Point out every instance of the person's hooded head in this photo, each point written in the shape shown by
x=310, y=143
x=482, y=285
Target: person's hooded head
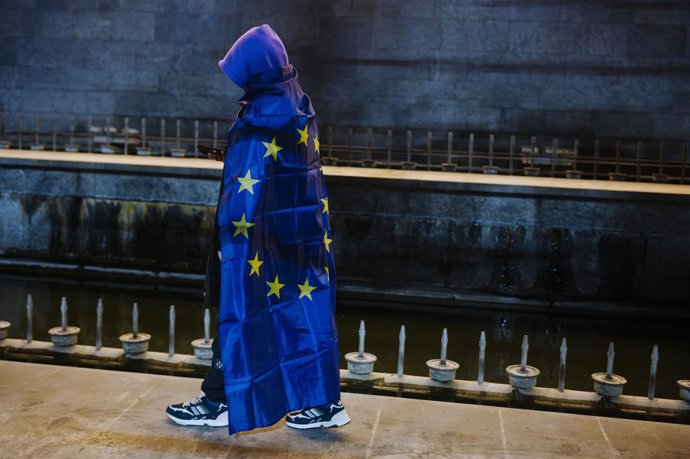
x=258, y=63
x=258, y=51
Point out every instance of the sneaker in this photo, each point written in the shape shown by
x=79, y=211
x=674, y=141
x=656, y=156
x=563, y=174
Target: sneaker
x=199, y=411
x=329, y=415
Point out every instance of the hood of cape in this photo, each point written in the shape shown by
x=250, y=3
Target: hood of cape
x=258, y=63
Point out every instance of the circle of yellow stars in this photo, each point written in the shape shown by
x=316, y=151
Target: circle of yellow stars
x=242, y=226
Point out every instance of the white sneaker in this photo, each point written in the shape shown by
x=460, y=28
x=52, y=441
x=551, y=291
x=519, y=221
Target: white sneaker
x=329, y=415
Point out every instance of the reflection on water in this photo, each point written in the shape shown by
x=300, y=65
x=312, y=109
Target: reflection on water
x=587, y=338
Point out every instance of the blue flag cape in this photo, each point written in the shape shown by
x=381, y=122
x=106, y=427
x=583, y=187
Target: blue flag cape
x=277, y=332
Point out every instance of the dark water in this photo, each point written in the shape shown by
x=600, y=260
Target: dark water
x=587, y=338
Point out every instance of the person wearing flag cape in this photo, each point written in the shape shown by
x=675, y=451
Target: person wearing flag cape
x=271, y=270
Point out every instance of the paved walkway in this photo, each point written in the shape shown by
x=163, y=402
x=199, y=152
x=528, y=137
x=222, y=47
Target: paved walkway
x=67, y=412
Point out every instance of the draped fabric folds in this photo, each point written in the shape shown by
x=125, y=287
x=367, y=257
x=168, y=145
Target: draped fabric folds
x=278, y=339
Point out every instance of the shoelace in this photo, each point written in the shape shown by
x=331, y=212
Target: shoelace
x=194, y=401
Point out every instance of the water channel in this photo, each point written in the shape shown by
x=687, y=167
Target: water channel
x=587, y=338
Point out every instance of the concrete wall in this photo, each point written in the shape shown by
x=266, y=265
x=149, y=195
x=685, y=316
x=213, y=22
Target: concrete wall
x=447, y=238
x=567, y=67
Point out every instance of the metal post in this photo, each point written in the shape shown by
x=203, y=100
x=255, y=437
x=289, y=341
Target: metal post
x=619, y=146
x=143, y=132
x=597, y=145
x=71, y=130
x=450, y=147
x=207, y=326
x=523, y=356
x=610, y=355
x=640, y=148
x=429, y=141
x=661, y=158
x=330, y=141
x=512, y=153
x=171, y=335
x=362, y=333
x=20, y=123
x=369, y=135
x=685, y=161
x=389, y=146
x=99, y=324
x=196, y=137
x=126, y=129
x=54, y=132
x=88, y=135
x=482, y=355
x=491, y=150
x=38, y=129
x=652, y=372
x=107, y=131
x=401, y=351
x=63, y=313
x=215, y=134
x=163, y=137
x=532, y=151
x=470, y=152
x=444, y=346
x=561, y=368
x=29, y=319
x=135, y=320
x=349, y=146
x=554, y=150
x=576, y=152
x=178, y=127
x=409, y=146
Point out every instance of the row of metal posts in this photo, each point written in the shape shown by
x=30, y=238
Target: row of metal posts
x=443, y=369
x=133, y=343
x=143, y=149
x=521, y=376
x=529, y=169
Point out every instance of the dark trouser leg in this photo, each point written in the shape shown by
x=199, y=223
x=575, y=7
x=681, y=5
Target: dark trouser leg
x=214, y=383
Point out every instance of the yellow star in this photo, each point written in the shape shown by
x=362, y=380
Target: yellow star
x=255, y=263
x=316, y=143
x=325, y=205
x=272, y=149
x=242, y=226
x=247, y=183
x=303, y=136
x=326, y=241
x=305, y=289
x=275, y=287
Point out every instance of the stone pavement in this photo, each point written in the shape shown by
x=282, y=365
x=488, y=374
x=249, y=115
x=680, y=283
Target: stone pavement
x=67, y=412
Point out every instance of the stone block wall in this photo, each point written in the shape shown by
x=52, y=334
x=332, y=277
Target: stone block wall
x=450, y=240
x=564, y=67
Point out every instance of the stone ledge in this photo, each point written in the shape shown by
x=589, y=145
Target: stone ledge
x=206, y=169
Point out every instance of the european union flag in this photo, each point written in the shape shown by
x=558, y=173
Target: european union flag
x=278, y=338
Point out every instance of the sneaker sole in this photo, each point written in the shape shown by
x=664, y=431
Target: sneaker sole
x=220, y=421
x=338, y=420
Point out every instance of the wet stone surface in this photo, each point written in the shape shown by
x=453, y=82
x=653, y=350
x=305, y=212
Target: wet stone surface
x=103, y=413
